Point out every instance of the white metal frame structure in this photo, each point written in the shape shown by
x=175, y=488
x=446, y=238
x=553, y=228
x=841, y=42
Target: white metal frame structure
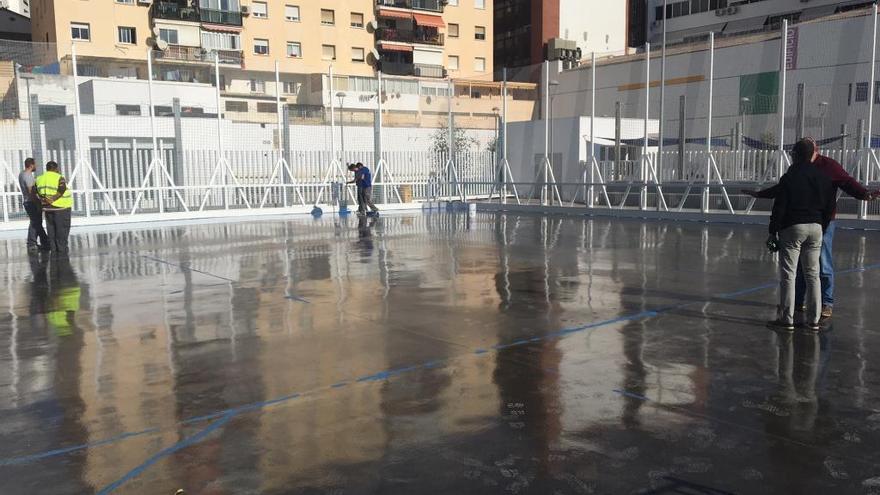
x=334, y=170
x=157, y=161
x=503, y=169
x=450, y=166
x=222, y=165
x=545, y=176
x=82, y=149
x=281, y=164
x=382, y=168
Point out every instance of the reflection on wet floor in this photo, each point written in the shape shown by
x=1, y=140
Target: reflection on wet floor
x=432, y=354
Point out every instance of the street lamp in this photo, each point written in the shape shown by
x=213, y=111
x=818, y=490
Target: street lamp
x=341, y=96
x=823, y=111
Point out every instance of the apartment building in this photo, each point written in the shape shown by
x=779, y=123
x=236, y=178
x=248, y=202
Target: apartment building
x=526, y=31
x=690, y=20
x=423, y=39
x=21, y=7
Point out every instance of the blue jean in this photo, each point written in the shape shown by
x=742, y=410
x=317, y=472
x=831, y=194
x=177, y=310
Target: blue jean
x=826, y=272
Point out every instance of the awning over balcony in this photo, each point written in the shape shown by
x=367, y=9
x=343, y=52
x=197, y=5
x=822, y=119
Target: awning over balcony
x=425, y=20
x=221, y=28
x=394, y=14
x=395, y=48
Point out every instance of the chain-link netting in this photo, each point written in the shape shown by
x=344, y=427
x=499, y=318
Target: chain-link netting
x=36, y=115
x=683, y=127
x=688, y=126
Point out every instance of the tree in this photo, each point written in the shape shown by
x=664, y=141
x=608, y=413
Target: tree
x=461, y=141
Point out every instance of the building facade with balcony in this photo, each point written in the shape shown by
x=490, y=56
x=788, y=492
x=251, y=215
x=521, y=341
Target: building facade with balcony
x=428, y=39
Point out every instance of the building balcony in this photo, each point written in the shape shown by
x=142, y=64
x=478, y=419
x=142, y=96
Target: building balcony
x=408, y=36
x=175, y=12
x=418, y=70
x=431, y=5
x=194, y=54
x=228, y=17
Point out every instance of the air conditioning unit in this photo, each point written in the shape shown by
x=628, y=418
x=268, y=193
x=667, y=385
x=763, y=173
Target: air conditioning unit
x=245, y=10
x=144, y=2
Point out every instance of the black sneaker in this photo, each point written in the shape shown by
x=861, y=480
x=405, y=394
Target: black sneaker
x=780, y=325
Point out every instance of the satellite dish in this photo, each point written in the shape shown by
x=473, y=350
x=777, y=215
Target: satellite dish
x=155, y=30
x=161, y=44
x=151, y=41
x=373, y=25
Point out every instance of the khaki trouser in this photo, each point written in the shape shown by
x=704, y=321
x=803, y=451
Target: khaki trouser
x=800, y=244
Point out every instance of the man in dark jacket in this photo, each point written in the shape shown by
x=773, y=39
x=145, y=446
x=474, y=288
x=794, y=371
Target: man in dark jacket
x=843, y=181
x=804, y=206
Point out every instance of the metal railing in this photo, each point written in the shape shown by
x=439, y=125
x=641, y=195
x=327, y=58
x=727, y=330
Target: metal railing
x=212, y=16
x=410, y=36
x=426, y=70
x=175, y=11
x=180, y=53
x=432, y=5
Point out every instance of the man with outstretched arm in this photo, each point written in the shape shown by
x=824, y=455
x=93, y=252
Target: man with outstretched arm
x=840, y=179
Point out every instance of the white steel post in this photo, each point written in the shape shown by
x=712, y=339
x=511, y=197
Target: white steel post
x=643, y=173
x=704, y=204
x=450, y=134
x=504, y=162
x=546, y=106
x=662, y=94
x=863, y=206
x=220, y=154
x=156, y=150
x=873, y=77
x=77, y=137
x=281, y=156
x=590, y=192
x=782, y=78
x=332, y=115
x=379, y=151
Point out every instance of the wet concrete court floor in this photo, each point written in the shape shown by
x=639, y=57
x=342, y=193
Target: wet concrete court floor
x=433, y=354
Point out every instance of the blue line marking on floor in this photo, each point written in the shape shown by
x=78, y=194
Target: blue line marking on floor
x=630, y=394
x=339, y=385
x=384, y=375
x=186, y=442
x=297, y=298
x=74, y=448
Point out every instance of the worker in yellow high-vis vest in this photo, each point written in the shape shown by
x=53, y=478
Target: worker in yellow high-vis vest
x=57, y=202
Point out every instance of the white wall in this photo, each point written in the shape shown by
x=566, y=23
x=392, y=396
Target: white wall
x=18, y=6
x=107, y=93
x=760, y=9
x=596, y=25
x=51, y=89
x=570, y=136
x=187, y=34
x=831, y=55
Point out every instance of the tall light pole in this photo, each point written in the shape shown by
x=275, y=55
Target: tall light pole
x=497, y=112
x=341, y=96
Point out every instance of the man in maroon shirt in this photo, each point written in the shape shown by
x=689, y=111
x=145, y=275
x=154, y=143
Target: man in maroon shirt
x=841, y=180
